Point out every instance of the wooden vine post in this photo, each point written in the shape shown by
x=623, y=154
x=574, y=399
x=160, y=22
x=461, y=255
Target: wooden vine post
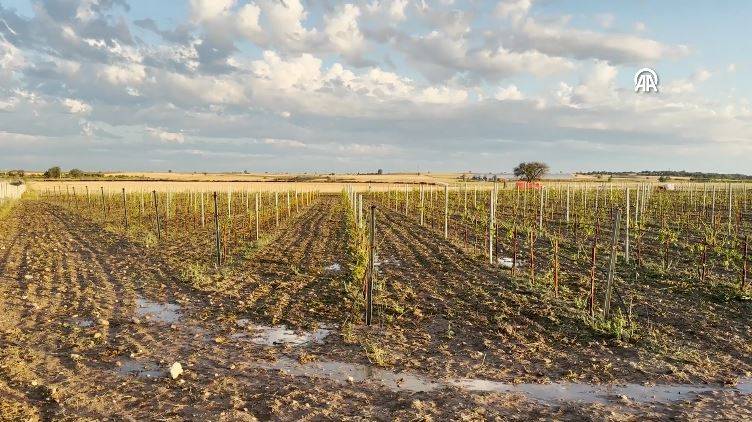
x=104, y=204
x=370, y=275
x=446, y=211
x=514, y=250
x=745, y=263
x=125, y=211
x=611, y=266
x=626, y=231
x=257, y=216
x=203, y=211
x=491, y=220
x=591, y=298
x=556, y=268
x=217, y=241
x=156, y=215
x=532, y=256
x=276, y=208
x=421, y=204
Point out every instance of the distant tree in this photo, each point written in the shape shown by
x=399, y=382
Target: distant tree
x=17, y=173
x=169, y=171
x=531, y=171
x=664, y=179
x=380, y=171
x=75, y=173
x=53, y=173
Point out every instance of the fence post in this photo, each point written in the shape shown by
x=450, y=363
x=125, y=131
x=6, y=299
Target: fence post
x=370, y=271
x=217, y=243
x=745, y=263
x=125, y=211
x=276, y=207
x=257, y=216
x=611, y=265
x=421, y=204
x=626, y=231
x=540, y=216
x=446, y=211
x=104, y=205
x=156, y=215
x=491, y=220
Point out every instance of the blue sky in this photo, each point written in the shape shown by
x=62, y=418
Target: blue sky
x=264, y=85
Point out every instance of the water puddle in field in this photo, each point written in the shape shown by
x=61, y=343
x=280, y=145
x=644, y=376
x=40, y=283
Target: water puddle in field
x=334, y=267
x=589, y=393
x=129, y=366
x=553, y=393
x=507, y=262
x=348, y=372
x=276, y=335
x=82, y=322
x=160, y=312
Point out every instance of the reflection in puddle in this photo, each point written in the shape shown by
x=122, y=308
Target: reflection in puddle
x=553, y=393
x=587, y=393
x=161, y=312
x=279, y=334
x=344, y=372
x=128, y=366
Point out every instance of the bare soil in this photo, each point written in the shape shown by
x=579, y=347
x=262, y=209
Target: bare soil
x=76, y=343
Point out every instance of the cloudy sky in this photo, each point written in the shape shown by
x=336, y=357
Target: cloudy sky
x=403, y=85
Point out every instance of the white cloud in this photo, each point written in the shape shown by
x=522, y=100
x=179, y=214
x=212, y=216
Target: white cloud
x=121, y=75
x=165, y=136
x=510, y=92
x=514, y=9
x=343, y=31
x=203, y=10
x=558, y=40
x=289, y=143
x=76, y=106
x=11, y=58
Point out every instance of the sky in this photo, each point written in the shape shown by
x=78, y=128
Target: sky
x=398, y=85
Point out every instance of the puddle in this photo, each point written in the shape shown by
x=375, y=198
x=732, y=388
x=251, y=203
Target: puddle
x=334, y=267
x=350, y=372
x=506, y=262
x=161, y=312
x=129, y=366
x=279, y=334
x=588, y=393
x=82, y=322
x=553, y=393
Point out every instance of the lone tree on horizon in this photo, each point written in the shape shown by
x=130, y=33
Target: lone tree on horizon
x=531, y=171
x=53, y=173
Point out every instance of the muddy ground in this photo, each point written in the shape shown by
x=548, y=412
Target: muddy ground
x=91, y=322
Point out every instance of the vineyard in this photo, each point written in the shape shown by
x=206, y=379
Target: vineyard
x=411, y=301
